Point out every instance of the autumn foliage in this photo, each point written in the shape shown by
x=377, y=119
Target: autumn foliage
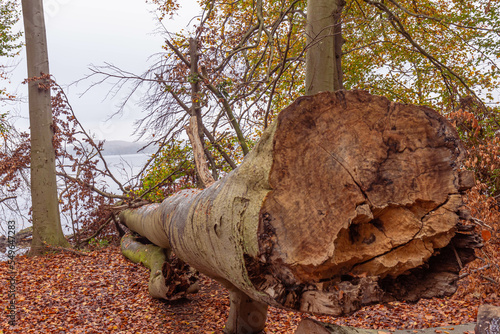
x=479, y=131
x=103, y=292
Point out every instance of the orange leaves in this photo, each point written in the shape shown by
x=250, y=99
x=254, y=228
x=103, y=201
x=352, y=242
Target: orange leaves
x=478, y=131
x=486, y=235
x=483, y=275
x=106, y=293
x=461, y=117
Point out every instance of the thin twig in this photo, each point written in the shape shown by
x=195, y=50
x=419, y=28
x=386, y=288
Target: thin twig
x=64, y=249
x=473, y=271
x=91, y=187
x=457, y=257
x=96, y=233
x=7, y=198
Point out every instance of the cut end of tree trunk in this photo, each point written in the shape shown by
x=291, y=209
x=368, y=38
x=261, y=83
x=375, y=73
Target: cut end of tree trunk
x=363, y=191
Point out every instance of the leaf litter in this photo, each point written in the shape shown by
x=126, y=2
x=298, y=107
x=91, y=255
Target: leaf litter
x=106, y=293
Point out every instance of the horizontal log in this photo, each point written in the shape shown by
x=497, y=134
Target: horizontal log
x=348, y=199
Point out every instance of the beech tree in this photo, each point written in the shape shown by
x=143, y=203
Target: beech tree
x=45, y=204
x=348, y=199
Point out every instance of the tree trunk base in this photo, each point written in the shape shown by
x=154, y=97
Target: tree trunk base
x=246, y=316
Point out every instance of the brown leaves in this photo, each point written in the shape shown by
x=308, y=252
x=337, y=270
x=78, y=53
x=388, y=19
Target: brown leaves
x=180, y=277
x=106, y=293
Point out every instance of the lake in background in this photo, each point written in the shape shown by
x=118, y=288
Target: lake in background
x=123, y=168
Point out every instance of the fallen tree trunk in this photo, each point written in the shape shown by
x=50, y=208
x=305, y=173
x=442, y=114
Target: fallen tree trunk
x=348, y=199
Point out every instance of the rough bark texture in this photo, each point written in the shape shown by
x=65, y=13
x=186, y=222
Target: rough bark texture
x=488, y=320
x=45, y=203
x=311, y=326
x=347, y=200
x=206, y=177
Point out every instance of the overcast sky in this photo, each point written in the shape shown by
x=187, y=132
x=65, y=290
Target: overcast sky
x=84, y=32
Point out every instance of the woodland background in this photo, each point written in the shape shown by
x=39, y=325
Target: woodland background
x=440, y=53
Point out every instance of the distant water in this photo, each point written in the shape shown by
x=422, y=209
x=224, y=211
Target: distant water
x=123, y=168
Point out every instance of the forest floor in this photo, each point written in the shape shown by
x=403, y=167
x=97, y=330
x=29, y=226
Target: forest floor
x=103, y=292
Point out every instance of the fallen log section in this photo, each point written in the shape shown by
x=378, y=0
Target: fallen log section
x=347, y=200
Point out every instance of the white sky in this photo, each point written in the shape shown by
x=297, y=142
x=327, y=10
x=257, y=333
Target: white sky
x=84, y=32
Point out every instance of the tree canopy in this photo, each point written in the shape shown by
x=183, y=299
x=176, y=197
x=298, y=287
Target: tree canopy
x=9, y=15
x=9, y=47
x=440, y=53
x=251, y=64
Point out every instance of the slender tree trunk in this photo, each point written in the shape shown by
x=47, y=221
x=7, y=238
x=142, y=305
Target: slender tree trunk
x=324, y=46
x=45, y=204
x=195, y=127
x=195, y=85
x=206, y=178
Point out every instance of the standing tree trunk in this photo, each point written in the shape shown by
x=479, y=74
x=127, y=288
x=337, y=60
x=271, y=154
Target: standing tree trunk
x=324, y=46
x=45, y=204
x=195, y=128
x=347, y=200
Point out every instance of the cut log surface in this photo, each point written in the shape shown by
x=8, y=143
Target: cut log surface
x=348, y=199
x=351, y=185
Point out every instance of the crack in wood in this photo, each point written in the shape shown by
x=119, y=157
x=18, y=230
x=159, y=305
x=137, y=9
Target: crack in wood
x=348, y=172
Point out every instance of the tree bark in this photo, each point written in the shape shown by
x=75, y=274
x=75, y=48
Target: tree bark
x=206, y=177
x=245, y=314
x=347, y=200
x=45, y=204
x=195, y=128
x=167, y=280
x=324, y=46
x=311, y=326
